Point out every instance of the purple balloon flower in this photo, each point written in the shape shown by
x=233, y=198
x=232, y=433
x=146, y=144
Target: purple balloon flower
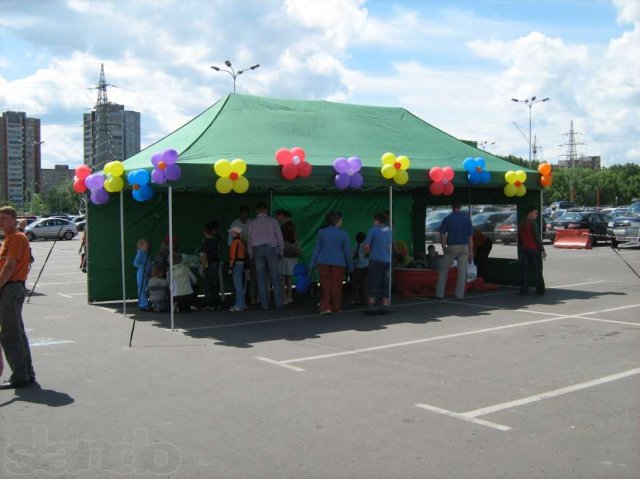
x=348, y=175
x=95, y=181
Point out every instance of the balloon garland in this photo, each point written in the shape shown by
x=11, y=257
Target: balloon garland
x=515, y=183
x=141, y=190
x=546, y=175
x=395, y=168
x=347, y=173
x=231, y=176
x=293, y=163
x=82, y=172
x=476, y=167
x=95, y=184
x=441, y=180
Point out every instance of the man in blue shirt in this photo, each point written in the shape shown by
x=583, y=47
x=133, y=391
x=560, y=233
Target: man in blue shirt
x=377, y=246
x=456, y=238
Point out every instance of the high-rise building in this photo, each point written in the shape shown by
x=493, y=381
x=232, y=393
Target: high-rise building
x=19, y=157
x=116, y=139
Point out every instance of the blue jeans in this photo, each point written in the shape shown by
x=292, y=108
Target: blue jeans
x=143, y=280
x=238, y=284
x=266, y=260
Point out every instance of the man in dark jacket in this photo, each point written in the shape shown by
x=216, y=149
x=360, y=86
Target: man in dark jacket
x=531, y=252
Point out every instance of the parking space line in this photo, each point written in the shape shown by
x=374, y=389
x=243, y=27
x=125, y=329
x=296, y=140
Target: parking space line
x=280, y=364
x=49, y=341
x=550, y=394
x=440, y=337
x=461, y=416
x=471, y=416
x=607, y=321
x=57, y=283
x=71, y=295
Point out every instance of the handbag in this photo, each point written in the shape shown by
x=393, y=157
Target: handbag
x=292, y=250
x=472, y=272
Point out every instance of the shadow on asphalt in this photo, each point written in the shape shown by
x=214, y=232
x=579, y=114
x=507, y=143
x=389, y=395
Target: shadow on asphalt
x=36, y=394
x=300, y=321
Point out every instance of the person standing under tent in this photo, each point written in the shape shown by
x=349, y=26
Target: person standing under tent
x=242, y=221
x=143, y=264
x=359, y=289
x=482, y=246
x=265, y=246
x=456, y=239
x=332, y=255
x=237, y=256
x=290, y=253
x=531, y=252
x=14, y=268
x=210, y=263
x=377, y=246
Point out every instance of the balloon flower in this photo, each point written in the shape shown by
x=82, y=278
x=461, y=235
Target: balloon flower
x=293, y=164
x=348, y=173
x=546, y=175
x=476, y=167
x=231, y=176
x=82, y=172
x=140, y=188
x=165, y=167
x=395, y=167
x=95, y=183
x=515, y=183
x=114, y=182
x=441, y=181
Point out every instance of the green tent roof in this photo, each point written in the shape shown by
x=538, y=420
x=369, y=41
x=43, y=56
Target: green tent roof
x=253, y=128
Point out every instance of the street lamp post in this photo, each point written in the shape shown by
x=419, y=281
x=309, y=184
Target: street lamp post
x=530, y=102
x=232, y=72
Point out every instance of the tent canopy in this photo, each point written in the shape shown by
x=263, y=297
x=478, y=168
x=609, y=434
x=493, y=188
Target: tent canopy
x=254, y=128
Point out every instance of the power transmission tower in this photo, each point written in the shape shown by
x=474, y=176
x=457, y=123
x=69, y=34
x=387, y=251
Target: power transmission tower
x=572, y=157
x=101, y=141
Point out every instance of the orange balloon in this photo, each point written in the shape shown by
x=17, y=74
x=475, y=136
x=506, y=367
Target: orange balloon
x=546, y=181
x=545, y=169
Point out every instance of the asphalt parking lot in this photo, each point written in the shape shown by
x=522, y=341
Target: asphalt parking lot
x=496, y=385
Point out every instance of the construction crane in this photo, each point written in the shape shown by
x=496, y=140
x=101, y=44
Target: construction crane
x=535, y=147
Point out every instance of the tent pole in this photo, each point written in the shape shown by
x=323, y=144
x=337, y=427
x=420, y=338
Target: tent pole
x=170, y=200
x=390, y=243
x=124, y=286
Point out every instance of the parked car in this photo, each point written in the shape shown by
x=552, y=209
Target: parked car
x=432, y=225
x=81, y=225
x=625, y=228
x=562, y=204
x=507, y=231
x=486, y=223
x=593, y=221
x=51, y=228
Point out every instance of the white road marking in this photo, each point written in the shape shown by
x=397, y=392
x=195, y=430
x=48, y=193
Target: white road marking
x=444, y=337
x=71, y=295
x=550, y=394
x=58, y=274
x=56, y=283
x=460, y=416
x=471, y=416
x=280, y=364
x=607, y=321
x=49, y=341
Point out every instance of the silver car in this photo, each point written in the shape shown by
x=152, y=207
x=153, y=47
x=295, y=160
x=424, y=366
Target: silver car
x=51, y=228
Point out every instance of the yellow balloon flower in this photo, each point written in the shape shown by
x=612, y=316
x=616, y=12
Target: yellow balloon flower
x=395, y=168
x=515, y=183
x=231, y=176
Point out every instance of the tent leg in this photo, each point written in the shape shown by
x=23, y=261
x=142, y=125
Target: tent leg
x=124, y=287
x=170, y=200
x=390, y=243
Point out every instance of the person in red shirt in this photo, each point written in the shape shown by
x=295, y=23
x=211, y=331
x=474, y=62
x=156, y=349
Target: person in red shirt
x=14, y=268
x=531, y=252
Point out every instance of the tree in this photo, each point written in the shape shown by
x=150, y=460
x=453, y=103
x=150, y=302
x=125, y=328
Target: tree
x=62, y=198
x=36, y=205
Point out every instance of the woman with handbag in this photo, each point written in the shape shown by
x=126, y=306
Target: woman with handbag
x=292, y=250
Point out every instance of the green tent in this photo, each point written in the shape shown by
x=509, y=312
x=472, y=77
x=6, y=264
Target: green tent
x=253, y=129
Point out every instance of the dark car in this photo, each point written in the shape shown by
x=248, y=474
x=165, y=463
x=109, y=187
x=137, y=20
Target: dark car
x=507, y=232
x=432, y=225
x=593, y=221
x=486, y=223
x=562, y=204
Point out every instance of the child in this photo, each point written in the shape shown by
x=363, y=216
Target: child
x=210, y=263
x=184, y=297
x=143, y=264
x=359, y=275
x=236, y=267
x=433, y=259
x=158, y=290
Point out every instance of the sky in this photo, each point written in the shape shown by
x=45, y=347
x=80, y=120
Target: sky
x=455, y=64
